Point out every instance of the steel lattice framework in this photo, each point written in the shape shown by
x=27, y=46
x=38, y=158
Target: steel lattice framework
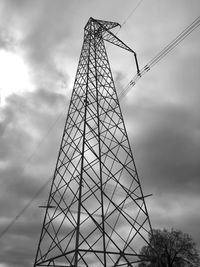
x=96, y=213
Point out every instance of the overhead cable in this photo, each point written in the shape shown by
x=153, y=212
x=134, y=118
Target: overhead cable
x=12, y=222
x=160, y=55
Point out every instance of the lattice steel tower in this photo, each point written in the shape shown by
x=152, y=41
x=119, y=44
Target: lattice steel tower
x=96, y=213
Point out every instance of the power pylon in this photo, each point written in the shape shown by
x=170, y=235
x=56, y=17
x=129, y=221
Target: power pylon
x=96, y=213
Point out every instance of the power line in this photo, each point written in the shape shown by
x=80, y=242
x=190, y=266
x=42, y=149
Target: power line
x=12, y=222
x=131, y=13
x=128, y=17
x=188, y=30
x=175, y=42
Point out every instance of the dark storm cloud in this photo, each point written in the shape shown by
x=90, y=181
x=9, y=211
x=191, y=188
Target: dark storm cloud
x=23, y=172
x=10, y=131
x=16, y=194
x=43, y=40
x=176, y=210
x=17, y=182
x=24, y=117
x=25, y=121
x=171, y=148
x=18, y=244
x=20, y=251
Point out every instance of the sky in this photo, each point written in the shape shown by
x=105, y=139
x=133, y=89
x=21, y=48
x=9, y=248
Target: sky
x=40, y=44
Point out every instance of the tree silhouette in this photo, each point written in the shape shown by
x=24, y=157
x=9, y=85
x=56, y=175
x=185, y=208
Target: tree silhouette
x=169, y=249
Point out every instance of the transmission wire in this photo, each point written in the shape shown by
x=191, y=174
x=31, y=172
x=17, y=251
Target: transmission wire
x=160, y=55
x=128, y=17
x=131, y=13
x=24, y=208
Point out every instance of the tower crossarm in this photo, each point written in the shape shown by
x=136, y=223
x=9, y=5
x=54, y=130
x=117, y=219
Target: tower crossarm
x=113, y=39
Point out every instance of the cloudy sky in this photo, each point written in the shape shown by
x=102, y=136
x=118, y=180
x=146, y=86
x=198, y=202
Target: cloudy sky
x=40, y=44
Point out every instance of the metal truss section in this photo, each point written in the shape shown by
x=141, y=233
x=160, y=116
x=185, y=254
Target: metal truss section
x=96, y=213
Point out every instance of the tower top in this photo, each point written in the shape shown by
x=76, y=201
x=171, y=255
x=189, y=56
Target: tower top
x=105, y=25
